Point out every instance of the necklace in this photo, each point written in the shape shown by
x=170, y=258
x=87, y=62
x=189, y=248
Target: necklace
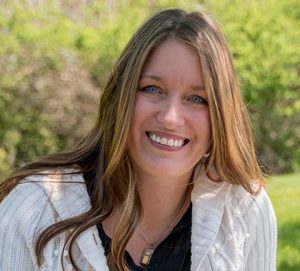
x=148, y=251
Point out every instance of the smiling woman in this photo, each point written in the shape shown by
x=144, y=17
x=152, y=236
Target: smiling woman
x=166, y=180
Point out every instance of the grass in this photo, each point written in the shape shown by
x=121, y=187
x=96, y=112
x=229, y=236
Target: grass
x=284, y=192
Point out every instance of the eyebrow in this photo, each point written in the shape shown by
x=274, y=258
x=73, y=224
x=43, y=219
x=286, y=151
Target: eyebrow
x=154, y=77
x=159, y=79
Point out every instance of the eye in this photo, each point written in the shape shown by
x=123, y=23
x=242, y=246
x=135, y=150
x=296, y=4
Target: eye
x=197, y=100
x=151, y=89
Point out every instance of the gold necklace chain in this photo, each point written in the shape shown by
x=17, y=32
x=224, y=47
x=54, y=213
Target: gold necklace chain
x=148, y=252
x=153, y=242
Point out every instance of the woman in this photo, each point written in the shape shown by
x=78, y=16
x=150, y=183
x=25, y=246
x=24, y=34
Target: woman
x=166, y=180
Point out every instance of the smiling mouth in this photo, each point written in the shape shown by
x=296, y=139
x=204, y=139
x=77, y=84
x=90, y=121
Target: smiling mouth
x=170, y=142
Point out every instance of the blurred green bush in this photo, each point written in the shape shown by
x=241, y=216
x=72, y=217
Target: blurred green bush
x=55, y=56
x=264, y=37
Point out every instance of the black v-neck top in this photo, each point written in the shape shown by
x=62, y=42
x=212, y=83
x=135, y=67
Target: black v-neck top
x=173, y=253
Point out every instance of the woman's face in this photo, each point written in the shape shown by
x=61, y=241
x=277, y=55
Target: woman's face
x=170, y=127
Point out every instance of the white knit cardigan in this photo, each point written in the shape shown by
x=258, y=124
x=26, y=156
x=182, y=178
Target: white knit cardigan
x=231, y=230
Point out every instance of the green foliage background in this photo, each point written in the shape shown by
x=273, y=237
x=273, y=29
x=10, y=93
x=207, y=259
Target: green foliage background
x=55, y=56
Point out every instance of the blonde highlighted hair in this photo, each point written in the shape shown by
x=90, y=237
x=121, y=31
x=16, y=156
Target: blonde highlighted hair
x=102, y=157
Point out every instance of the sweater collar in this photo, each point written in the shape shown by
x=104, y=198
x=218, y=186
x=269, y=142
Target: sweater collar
x=208, y=200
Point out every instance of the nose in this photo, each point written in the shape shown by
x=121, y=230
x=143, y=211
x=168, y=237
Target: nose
x=170, y=115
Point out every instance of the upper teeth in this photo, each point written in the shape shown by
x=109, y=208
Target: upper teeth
x=164, y=141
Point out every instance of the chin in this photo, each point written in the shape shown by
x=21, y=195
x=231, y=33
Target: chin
x=168, y=171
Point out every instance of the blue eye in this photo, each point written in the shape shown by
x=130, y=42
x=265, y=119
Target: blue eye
x=151, y=89
x=197, y=100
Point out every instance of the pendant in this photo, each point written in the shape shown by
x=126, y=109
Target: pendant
x=146, y=257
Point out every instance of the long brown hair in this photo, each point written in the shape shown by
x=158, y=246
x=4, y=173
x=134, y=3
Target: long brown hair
x=102, y=156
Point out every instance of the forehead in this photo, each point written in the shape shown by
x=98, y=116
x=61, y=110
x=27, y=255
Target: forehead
x=176, y=60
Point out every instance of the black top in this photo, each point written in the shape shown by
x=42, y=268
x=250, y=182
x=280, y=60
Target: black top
x=173, y=253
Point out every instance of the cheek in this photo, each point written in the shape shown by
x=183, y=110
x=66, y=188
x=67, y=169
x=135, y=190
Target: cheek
x=142, y=105
x=139, y=117
x=208, y=125
x=143, y=112
x=135, y=115
x=203, y=126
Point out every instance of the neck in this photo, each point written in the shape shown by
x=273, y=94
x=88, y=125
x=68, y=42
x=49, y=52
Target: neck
x=163, y=200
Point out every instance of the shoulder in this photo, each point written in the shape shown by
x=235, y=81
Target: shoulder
x=40, y=200
x=253, y=222
x=235, y=228
x=254, y=228
x=249, y=229
x=250, y=206
x=36, y=203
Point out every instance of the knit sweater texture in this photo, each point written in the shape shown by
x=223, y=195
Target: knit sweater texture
x=231, y=229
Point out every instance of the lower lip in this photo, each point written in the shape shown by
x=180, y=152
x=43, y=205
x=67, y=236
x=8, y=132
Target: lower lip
x=165, y=147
